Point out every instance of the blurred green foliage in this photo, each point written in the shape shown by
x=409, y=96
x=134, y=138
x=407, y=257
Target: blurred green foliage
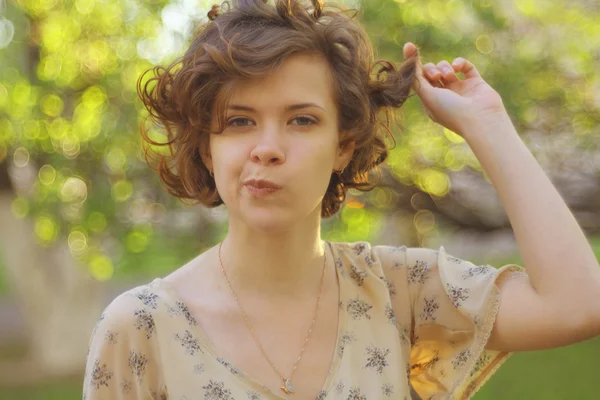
x=68, y=107
x=69, y=112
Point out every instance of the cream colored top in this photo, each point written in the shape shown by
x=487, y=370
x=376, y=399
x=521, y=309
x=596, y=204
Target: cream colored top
x=405, y=314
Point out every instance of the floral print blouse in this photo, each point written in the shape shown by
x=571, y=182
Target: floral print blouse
x=406, y=315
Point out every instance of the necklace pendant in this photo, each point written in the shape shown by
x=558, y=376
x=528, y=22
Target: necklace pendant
x=287, y=387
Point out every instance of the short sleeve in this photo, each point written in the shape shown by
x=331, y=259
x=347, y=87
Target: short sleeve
x=454, y=304
x=122, y=361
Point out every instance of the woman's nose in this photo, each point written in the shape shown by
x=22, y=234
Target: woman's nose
x=268, y=149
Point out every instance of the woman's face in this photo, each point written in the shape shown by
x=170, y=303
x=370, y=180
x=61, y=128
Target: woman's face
x=282, y=128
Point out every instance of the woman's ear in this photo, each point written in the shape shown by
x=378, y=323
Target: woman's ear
x=204, y=153
x=345, y=151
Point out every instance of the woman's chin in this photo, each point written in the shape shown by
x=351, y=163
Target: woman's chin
x=269, y=221
x=269, y=225
x=273, y=220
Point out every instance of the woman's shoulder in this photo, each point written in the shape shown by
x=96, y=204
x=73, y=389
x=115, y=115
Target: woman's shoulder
x=351, y=249
x=361, y=260
x=143, y=311
x=127, y=307
x=364, y=251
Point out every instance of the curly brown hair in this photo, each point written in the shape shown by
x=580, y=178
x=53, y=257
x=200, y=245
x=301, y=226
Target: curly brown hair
x=249, y=39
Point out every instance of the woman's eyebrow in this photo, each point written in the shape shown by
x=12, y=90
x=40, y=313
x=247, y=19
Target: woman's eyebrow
x=287, y=108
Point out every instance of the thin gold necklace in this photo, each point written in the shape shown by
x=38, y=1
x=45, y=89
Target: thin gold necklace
x=287, y=387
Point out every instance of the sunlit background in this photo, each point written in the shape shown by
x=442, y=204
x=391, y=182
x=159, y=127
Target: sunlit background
x=83, y=217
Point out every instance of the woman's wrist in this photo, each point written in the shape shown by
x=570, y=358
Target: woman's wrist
x=489, y=128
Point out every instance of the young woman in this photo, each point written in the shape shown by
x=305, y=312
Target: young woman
x=275, y=111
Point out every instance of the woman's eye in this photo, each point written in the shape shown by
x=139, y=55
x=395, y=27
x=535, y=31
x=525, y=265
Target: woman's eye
x=235, y=120
x=307, y=121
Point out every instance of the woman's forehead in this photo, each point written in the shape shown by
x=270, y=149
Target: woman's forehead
x=304, y=78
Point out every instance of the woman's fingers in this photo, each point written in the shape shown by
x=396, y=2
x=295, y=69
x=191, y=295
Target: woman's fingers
x=447, y=72
x=440, y=74
x=422, y=83
x=432, y=72
x=434, y=75
x=408, y=50
x=466, y=67
x=435, y=72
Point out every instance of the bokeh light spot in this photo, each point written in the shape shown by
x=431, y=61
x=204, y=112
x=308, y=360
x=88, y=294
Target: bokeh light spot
x=354, y=203
x=7, y=32
x=157, y=212
x=122, y=190
x=484, y=44
x=73, y=190
x=77, y=242
x=424, y=221
x=452, y=136
x=85, y=6
x=20, y=207
x=52, y=105
x=96, y=222
x=47, y=175
x=3, y=96
x=434, y=182
x=21, y=157
x=116, y=159
x=101, y=268
x=46, y=228
x=136, y=242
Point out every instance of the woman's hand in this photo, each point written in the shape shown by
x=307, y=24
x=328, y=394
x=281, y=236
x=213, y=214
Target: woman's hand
x=450, y=101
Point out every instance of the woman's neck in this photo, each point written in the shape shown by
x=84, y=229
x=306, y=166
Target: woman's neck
x=287, y=264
